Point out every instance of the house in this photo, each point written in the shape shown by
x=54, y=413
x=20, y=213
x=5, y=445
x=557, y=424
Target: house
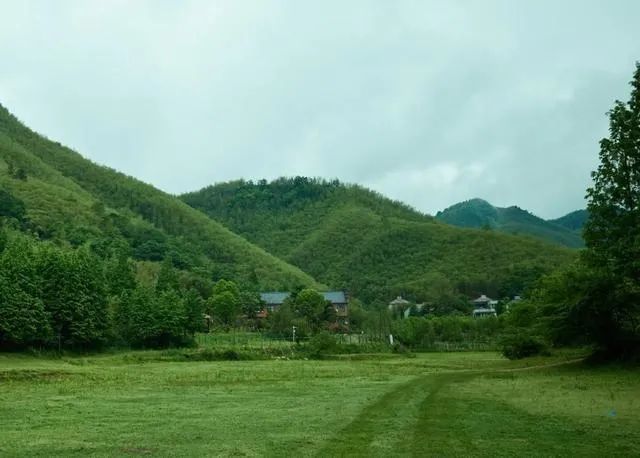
x=484, y=302
x=273, y=300
x=484, y=306
x=398, y=303
x=484, y=312
x=418, y=307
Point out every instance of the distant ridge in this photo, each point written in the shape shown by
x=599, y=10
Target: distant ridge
x=574, y=221
x=478, y=213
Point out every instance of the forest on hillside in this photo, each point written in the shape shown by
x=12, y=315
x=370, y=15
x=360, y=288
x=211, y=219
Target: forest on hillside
x=351, y=238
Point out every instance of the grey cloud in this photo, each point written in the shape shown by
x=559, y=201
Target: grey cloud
x=430, y=102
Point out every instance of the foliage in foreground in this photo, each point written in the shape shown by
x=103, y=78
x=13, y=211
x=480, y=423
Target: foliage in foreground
x=52, y=297
x=596, y=300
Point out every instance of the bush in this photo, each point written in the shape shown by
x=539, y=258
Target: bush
x=521, y=346
x=322, y=344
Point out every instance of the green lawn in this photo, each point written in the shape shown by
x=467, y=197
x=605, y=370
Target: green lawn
x=439, y=404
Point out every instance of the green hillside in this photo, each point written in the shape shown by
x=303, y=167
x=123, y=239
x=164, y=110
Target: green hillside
x=70, y=200
x=350, y=237
x=478, y=213
x=573, y=221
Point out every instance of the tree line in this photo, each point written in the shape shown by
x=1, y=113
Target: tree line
x=54, y=297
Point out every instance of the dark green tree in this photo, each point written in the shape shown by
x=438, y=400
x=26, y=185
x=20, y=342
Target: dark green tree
x=194, y=311
x=250, y=304
x=120, y=275
x=225, y=307
x=609, y=312
x=612, y=232
x=147, y=319
x=10, y=206
x=74, y=294
x=225, y=301
x=167, y=277
x=311, y=306
x=23, y=320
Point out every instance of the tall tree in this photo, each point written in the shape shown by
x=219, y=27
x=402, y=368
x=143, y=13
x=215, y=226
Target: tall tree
x=23, y=320
x=167, y=277
x=224, y=304
x=74, y=294
x=612, y=234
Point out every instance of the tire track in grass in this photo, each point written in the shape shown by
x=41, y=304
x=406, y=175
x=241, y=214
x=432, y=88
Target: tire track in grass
x=397, y=423
x=421, y=439
x=381, y=427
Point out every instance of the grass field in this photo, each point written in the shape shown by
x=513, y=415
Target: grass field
x=437, y=404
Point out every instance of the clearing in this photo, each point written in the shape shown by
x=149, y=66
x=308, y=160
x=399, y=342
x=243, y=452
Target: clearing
x=436, y=404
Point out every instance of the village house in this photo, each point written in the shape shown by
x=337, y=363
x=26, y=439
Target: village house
x=402, y=306
x=339, y=300
x=484, y=306
x=398, y=303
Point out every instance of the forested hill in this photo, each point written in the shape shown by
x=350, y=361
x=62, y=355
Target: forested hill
x=282, y=214
x=573, y=221
x=54, y=193
x=350, y=237
x=478, y=213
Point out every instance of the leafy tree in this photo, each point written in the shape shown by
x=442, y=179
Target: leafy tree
x=251, y=304
x=612, y=231
x=311, y=306
x=74, y=294
x=224, y=307
x=610, y=311
x=194, y=311
x=282, y=320
x=23, y=320
x=224, y=303
x=167, y=277
x=120, y=275
x=147, y=319
x=223, y=285
x=10, y=206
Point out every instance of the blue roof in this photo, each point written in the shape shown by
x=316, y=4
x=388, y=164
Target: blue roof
x=274, y=297
x=335, y=297
x=277, y=297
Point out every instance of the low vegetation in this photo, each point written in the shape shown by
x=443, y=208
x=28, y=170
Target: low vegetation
x=437, y=404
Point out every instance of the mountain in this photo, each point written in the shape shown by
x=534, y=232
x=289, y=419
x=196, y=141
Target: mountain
x=56, y=194
x=573, y=221
x=349, y=237
x=478, y=213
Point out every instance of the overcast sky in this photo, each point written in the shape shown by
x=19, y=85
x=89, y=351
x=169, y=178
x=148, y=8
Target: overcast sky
x=428, y=102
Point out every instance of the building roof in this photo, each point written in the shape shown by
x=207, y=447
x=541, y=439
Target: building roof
x=335, y=297
x=277, y=297
x=399, y=301
x=482, y=299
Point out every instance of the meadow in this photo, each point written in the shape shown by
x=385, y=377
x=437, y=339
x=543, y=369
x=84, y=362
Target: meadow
x=433, y=404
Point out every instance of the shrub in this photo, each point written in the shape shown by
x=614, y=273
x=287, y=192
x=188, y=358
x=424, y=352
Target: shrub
x=522, y=346
x=322, y=344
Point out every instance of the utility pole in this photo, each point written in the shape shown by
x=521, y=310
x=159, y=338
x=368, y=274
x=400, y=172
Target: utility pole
x=293, y=339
